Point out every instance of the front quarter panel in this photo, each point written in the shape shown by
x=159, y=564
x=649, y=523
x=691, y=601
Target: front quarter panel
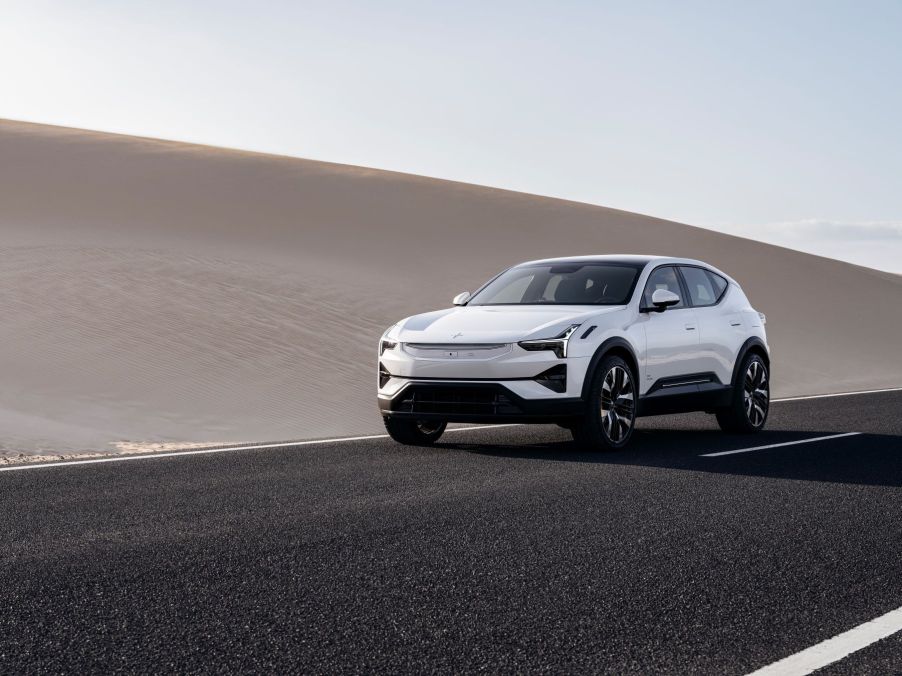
x=621, y=329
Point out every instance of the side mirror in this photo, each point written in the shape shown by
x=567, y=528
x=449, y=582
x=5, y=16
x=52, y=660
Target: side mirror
x=663, y=299
x=461, y=298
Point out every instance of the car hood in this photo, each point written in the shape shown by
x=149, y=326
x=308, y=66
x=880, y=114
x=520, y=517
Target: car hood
x=494, y=324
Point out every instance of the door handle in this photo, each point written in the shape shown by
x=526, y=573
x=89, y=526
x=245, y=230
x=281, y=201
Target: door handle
x=690, y=327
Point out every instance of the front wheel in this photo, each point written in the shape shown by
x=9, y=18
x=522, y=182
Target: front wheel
x=611, y=408
x=748, y=409
x=414, y=432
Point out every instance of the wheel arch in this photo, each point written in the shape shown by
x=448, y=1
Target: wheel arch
x=616, y=346
x=752, y=345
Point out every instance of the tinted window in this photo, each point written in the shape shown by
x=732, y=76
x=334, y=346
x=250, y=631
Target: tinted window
x=565, y=284
x=662, y=278
x=718, y=282
x=701, y=289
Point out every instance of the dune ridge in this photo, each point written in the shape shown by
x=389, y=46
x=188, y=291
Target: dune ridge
x=159, y=292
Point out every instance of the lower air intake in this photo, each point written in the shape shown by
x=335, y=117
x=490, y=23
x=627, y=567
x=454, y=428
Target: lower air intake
x=456, y=401
x=555, y=378
x=384, y=375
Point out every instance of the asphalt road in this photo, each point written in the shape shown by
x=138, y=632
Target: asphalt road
x=501, y=549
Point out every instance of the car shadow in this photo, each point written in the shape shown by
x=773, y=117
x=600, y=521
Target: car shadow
x=868, y=459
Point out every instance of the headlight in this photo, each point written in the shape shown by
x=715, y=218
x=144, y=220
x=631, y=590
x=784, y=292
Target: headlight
x=386, y=343
x=558, y=344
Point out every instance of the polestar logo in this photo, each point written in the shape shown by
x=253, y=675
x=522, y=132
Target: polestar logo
x=456, y=335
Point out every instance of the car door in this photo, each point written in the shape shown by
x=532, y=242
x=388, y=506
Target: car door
x=671, y=336
x=720, y=331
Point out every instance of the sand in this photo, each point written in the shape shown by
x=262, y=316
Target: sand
x=156, y=292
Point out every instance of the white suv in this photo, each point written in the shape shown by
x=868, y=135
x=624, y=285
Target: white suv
x=589, y=343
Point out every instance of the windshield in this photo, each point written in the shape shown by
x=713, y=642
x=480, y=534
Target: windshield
x=561, y=284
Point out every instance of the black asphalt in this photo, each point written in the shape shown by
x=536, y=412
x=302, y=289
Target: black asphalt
x=498, y=550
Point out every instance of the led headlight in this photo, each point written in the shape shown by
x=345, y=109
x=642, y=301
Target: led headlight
x=386, y=343
x=558, y=344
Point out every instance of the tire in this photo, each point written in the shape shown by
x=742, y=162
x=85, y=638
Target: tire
x=414, y=432
x=747, y=412
x=611, y=409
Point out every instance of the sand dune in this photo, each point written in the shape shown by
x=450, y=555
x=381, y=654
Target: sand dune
x=162, y=292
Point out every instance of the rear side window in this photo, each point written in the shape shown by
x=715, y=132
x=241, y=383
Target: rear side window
x=705, y=288
x=719, y=284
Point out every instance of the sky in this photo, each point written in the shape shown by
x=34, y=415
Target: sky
x=778, y=121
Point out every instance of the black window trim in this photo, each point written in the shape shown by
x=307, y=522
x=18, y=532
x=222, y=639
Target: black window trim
x=685, y=284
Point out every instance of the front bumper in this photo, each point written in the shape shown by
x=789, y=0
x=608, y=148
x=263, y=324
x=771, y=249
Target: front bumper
x=511, y=366
x=474, y=402
x=488, y=383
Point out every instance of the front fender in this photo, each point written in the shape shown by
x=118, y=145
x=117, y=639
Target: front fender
x=615, y=342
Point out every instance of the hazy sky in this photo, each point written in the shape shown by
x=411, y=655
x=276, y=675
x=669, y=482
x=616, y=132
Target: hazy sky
x=775, y=120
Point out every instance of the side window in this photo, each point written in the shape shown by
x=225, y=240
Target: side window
x=719, y=284
x=701, y=290
x=662, y=278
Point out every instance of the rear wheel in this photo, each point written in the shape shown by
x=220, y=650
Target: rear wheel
x=414, y=432
x=748, y=410
x=611, y=409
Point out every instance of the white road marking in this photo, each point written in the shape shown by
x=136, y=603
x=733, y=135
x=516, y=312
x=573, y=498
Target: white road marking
x=209, y=451
x=836, y=648
x=785, y=443
x=837, y=394
x=205, y=451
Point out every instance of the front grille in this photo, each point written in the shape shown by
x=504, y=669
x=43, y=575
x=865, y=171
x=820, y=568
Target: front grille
x=456, y=401
x=433, y=351
x=456, y=346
